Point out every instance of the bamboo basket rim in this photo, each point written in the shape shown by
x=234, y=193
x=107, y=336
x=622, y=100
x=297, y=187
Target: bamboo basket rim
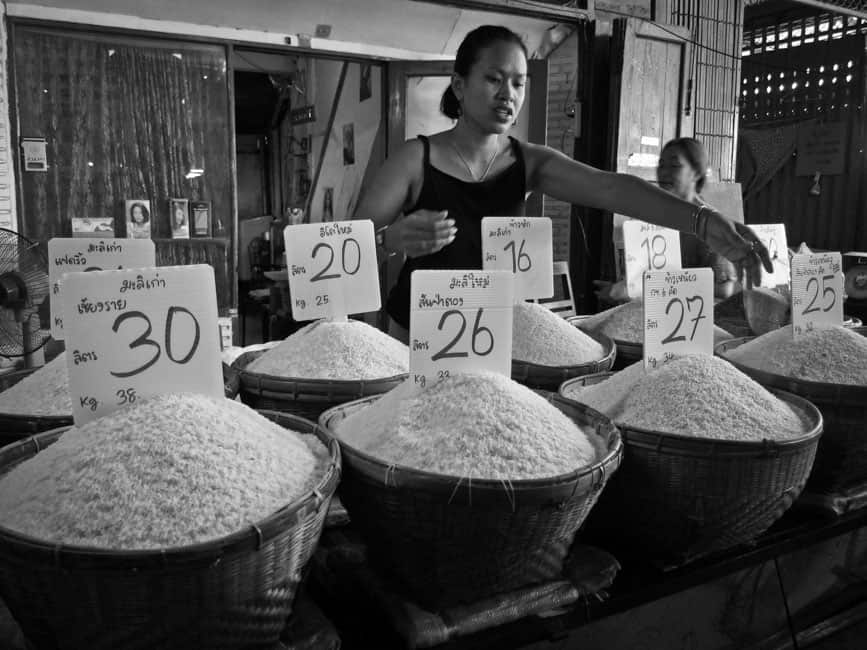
x=692, y=445
x=851, y=394
x=60, y=420
x=448, y=483
x=628, y=348
x=254, y=537
x=610, y=354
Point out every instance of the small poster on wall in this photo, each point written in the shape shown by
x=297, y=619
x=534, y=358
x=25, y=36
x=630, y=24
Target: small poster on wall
x=180, y=218
x=328, y=204
x=348, y=144
x=93, y=227
x=138, y=218
x=364, y=89
x=201, y=217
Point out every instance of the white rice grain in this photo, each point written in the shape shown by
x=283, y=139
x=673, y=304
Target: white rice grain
x=477, y=425
x=540, y=336
x=348, y=350
x=45, y=391
x=626, y=323
x=166, y=472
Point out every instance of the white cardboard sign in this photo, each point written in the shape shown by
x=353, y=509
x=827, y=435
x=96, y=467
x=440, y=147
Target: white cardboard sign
x=136, y=333
x=524, y=246
x=817, y=291
x=648, y=248
x=460, y=321
x=773, y=236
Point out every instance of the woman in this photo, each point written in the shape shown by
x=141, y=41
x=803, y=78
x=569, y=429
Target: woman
x=445, y=184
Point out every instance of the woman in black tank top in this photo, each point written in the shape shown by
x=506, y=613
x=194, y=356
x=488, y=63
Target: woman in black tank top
x=445, y=184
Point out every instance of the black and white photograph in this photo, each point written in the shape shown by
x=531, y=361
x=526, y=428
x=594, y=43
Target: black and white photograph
x=138, y=218
x=179, y=212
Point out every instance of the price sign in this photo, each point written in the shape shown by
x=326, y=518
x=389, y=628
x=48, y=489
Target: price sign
x=70, y=255
x=460, y=321
x=135, y=333
x=332, y=269
x=773, y=236
x=817, y=291
x=648, y=248
x=678, y=314
x=522, y=245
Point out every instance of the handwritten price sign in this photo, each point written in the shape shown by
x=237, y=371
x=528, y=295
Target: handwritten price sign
x=522, y=245
x=332, y=269
x=648, y=248
x=460, y=321
x=817, y=291
x=678, y=314
x=773, y=236
x=136, y=333
x=72, y=255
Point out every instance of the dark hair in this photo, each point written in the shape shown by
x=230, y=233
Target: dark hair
x=695, y=155
x=468, y=54
x=144, y=211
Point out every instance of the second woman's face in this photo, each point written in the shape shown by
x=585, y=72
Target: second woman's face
x=493, y=92
x=676, y=175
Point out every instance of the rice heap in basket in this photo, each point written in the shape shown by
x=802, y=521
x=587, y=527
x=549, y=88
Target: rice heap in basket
x=43, y=392
x=696, y=395
x=834, y=355
x=626, y=323
x=165, y=472
x=478, y=425
x=348, y=350
x=540, y=336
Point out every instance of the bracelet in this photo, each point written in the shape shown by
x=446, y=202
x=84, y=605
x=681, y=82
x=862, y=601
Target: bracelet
x=695, y=222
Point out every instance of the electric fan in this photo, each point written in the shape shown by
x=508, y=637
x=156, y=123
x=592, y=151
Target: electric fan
x=24, y=291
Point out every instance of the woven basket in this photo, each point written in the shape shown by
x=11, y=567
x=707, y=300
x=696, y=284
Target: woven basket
x=14, y=426
x=628, y=352
x=534, y=375
x=306, y=398
x=841, y=461
x=232, y=592
x=446, y=540
x=677, y=498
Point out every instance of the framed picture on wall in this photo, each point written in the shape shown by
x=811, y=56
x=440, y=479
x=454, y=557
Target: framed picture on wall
x=179, y=218
x=348, y=144
x=138, y=218
x=200, y=212
x=93, y=227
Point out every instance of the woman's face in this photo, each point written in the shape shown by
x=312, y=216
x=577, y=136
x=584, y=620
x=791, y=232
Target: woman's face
x=676, y=175
x=492, y=94
x=137, y=214
x=180, y=217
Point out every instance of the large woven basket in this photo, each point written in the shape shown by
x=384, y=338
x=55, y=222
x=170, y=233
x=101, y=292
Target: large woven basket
x=233, y=592
x=306, y=398
x=15, y=426
x=841, y=461
x=534, y=375
x=628, y=352
x=677, y=498
x=447, y=540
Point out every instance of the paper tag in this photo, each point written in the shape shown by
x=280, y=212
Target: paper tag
x=524, y=246
x=70, y=255
x=460, y=321
x=136, y=333
x=648, y=248
x=773, y=236
x=817, y=291
x=678, y=314
x=332, y=269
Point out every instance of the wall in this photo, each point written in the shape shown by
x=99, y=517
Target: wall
x=8, y=209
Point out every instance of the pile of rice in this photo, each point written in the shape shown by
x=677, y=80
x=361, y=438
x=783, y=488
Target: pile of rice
x=833, y=354
x=348, y=350
x=626, y=323
x=43, y=392
x=700, y=396
x=165, y=472
x=540, y=336
x=479, y=425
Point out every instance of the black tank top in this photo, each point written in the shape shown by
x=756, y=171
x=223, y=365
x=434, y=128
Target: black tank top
x=500, y=196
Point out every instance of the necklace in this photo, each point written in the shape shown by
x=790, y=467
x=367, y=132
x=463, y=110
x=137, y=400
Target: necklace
x=470, y=169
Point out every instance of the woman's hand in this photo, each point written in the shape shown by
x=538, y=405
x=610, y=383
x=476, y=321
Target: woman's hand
x=421, y=233
x=737, y=242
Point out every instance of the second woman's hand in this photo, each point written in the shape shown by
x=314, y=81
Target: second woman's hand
x=738, y=243
x=421, y=233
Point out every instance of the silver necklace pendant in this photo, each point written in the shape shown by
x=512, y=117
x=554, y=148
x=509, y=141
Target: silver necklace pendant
x=470, y=169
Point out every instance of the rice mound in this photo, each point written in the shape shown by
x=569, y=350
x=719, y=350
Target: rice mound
x=45, y=391
x=699, y=395
x=478, y=425
x=348, y=350
x=626, y=323
x=169, y=471
x=540, y=336
x=831, y=354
